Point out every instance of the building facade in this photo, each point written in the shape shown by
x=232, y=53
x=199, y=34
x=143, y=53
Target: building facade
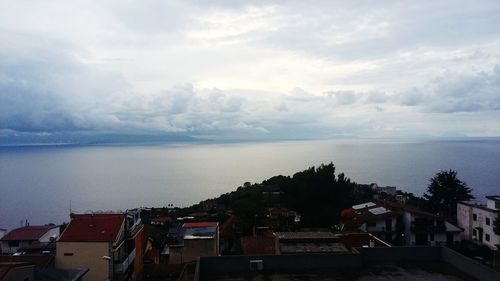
x=477, y=220
x=103, y=243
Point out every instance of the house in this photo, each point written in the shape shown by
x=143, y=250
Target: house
x=161, y=220
x=282, y=219
x=373, y=218
x=105, y=243
x=26, y=236
x=400, y=223
x=477, y=221
x=198, y=239
x=423, y=228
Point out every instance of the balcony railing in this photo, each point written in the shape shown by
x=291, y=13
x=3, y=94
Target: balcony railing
x=122, y=267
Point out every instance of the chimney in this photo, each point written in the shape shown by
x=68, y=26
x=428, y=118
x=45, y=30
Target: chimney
x=91, y=220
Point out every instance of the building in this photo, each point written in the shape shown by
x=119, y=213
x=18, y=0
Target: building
x=427, y=229
x=161, y=221
x=323, y=242
x=2, y=232
x=373, y=218
x=372, y=263
x=104, y=243
x=477, y=221
x=197, y=239
x=401, y=224
x=26, y=236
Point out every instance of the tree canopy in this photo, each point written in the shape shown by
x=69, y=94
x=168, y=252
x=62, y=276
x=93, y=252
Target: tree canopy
x=444, y=191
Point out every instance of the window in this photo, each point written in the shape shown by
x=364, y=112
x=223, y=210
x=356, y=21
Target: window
x=13, y=243
x=474, y=217
x=497, y=204
x=487, y=237
x=487, y=221
x=474, y=232
x=68, y=254
x=371, y=224
x=431, y=236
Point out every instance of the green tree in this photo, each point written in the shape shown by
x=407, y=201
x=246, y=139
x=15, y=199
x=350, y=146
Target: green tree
x=445, y=190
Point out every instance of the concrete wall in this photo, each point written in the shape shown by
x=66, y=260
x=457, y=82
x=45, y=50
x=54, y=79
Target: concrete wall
x=23, y=273
x=194, y=248
x=469, y=266
x=283, y=263
x=400, y=254
x=491, y=204
x=87, y=255
x=464, y=220
x=331, y=262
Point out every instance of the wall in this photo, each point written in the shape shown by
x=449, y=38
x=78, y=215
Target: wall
x=288, y=263
x=194, y=248
x=469, y=266
x=85, y=254
x=25, y=273
x=46, y=237
x=464, y=220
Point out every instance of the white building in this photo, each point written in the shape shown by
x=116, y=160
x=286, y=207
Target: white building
x=426, y=229
x=394, y=222
x=477, y=221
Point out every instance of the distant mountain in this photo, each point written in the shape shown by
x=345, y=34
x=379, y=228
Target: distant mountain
x=25, y=139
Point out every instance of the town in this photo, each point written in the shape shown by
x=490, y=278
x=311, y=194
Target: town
x=314, y=224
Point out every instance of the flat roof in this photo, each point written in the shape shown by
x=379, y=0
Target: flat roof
x=305, y=235
x=200, y=232
x=430, y=271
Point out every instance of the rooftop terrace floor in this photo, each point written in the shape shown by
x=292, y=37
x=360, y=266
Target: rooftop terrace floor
x=436, y=271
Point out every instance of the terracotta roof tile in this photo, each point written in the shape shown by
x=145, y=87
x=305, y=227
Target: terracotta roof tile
x=28, y=233
x=93, y=228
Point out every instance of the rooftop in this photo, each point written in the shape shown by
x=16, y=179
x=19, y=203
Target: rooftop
x=200, y=230
x=93, y=228
x=494, y=197
x=390, y=271
x=162, y=219
x=305, y=235
x=200, y=224
x=258, y=245
x=27, y=233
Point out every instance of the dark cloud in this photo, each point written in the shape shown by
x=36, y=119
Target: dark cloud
x=452, y=92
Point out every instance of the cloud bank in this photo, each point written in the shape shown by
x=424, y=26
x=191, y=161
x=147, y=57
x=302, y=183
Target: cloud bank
x=256, y=70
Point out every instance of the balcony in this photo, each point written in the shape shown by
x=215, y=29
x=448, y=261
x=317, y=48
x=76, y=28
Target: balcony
x=121, y=268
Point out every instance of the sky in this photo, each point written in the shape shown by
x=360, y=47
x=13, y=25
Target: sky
x=250, y=69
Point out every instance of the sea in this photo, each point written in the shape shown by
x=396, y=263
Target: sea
x=42, y=184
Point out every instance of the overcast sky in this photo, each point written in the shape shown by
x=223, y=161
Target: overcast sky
x=251, y=70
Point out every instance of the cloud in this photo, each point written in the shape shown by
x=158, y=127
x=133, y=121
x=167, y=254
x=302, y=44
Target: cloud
x=453, y=92
x=224, y=69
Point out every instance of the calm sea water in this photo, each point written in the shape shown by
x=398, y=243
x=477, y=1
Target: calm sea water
x=37, y=183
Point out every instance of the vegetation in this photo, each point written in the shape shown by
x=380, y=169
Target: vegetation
x=445, y=191
x=316, y=193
